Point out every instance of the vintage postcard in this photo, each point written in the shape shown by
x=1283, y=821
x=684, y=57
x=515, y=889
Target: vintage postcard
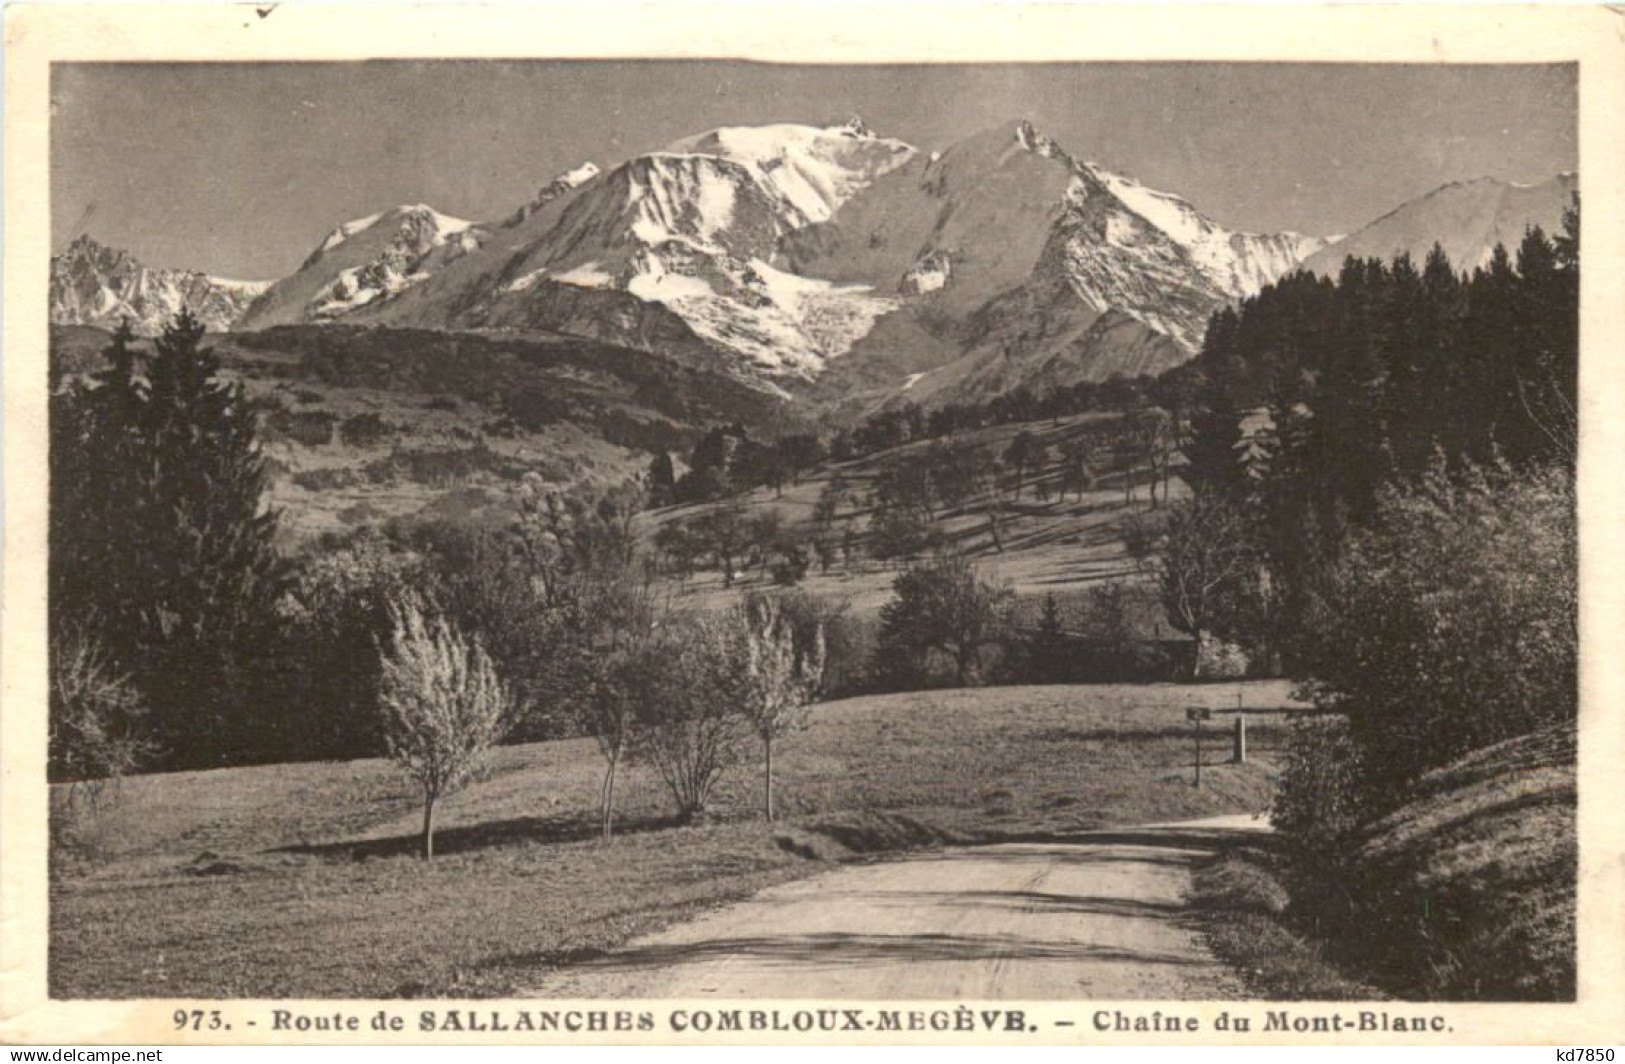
x=701, y=523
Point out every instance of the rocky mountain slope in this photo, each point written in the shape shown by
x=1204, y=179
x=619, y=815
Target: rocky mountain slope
x=362, y=262
x=92, y=284
x=1027, y=266
x=677, y=248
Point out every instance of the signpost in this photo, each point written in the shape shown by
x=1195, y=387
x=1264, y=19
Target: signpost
x=1240, y=750
x=1197, y=715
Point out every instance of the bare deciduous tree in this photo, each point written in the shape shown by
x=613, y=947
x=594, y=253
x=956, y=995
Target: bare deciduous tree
x=689, y=728
x=1155, y=436
x=1207, y=563
x=630, y=676
x=443, y=705
x=94, y=711
x=780, y=681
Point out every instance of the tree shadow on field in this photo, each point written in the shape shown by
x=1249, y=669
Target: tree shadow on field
x=561, y=828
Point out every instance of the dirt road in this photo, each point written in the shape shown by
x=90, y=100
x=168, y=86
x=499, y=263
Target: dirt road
x=1101, y=917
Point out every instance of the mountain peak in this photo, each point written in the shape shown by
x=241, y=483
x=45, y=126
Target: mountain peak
x=566, y=182
x=854, y=125
x=95, y=284
x=813, y=169
x=418, y=215
x=366, y=260
x=1028, y=136
x=85, y=247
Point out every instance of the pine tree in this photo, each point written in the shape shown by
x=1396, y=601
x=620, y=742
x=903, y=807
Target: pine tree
x=1048, y=650
x=707, y=476
x=662, y=479
x=195, y=552
x=99, y=477
x=1547, y=342
x=1488, y=352
x=1214, y=461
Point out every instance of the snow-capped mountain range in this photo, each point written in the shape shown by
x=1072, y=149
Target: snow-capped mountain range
x=806, y=259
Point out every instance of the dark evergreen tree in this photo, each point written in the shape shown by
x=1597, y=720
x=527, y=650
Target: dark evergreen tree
x=1213, y=446
x=1543, y=382
x=1047, y=649
x=1372, y=378
x=163, y=545
x=707, y=476
x=662, y=480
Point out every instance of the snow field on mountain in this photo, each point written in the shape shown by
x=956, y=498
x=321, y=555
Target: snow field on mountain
x=813, y=170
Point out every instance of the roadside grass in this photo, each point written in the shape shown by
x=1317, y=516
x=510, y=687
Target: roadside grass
x=301, y=880
x=1242, y=908
x=1466, y=892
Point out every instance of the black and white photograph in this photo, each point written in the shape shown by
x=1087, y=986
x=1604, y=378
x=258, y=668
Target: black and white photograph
x=647, y=530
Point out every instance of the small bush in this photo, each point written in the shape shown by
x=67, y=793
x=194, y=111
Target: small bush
x=1243, y=908
x=790, y=568
x=1319, y=802
x=365, y=430
x=440, y=467
x=94, y=715
x=336, y=478
x=313, y=428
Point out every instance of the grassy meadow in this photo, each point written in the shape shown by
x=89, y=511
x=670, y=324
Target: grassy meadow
x=302, y=880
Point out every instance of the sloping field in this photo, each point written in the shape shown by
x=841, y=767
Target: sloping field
x=300, y=880
x=1053, y=544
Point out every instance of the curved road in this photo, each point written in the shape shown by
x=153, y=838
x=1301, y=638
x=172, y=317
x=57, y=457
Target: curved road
x=1102, y=917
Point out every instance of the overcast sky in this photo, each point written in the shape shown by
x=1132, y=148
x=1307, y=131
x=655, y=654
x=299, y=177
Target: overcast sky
x=241, y=169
